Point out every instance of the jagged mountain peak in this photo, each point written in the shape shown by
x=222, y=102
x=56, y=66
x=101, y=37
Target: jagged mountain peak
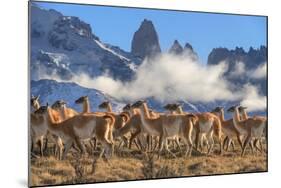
x=188, y=46
x=176, y=48
x=146, y=23
x=250, y=60
x=145, y=40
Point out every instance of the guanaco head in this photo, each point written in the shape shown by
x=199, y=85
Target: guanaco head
x=217, y=109
x=58, y=104
x=42, y=110
x=242, y=108
x=35, y=102
x=232, y=108
x=104, y=104
x=172, y=106
x=138, y=104
x=127, y=107
x=81, y=100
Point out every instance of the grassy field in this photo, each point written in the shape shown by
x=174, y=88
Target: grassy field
x=132, y=164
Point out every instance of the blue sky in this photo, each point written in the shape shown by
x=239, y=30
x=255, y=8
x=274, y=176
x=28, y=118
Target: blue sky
x=204, y=31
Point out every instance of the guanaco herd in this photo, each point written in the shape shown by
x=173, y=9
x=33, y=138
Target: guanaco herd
x=139, y=125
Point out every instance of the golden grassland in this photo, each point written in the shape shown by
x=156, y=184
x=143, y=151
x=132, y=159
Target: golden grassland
x=132, y=165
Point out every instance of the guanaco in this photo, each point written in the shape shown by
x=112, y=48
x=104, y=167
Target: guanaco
x=167, y=126
x=206, y=124
x=120, y=119
x=37, y=129
x=244, y=116
x=80, y=127
x=252, y=128
x=64, y=111
x=228, y=129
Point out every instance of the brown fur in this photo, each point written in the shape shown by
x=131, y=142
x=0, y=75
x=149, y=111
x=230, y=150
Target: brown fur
x=200, y=118
x=165, y=126
x=248, y=126
x=203, y=118
x=228, y=128
x=79, y=127
x=37, y=127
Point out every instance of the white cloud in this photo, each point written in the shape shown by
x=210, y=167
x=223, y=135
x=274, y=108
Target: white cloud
x=169, y=78
x=239, y=70
x=251, y=98
x=258, y=73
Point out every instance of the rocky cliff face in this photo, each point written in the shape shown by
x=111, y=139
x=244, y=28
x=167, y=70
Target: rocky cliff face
x=252, y=59
x=187, y=50
x=145, y=41
x=176, y=48
x=240, y=64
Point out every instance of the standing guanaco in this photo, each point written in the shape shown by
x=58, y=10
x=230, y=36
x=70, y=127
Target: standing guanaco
x=167, y=126
x=80, y=127
x=252, y=128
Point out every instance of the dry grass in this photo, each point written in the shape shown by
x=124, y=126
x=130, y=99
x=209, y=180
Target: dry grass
x=132, y=165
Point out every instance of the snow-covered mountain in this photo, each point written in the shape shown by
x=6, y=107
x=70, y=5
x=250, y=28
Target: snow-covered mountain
x=65, y=45
x=51, y=90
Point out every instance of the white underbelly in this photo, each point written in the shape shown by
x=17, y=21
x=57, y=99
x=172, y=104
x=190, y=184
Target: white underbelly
x=205, y=127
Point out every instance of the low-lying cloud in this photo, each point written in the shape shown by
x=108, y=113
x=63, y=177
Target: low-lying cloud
x=240, y=70
x=259, y=72
x=170, y=78
x=252, y=99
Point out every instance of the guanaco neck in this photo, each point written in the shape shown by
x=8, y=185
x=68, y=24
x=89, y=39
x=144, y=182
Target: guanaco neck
x=222, y=116
x=179, y=110
x=36, y=105
x=63, y=112
x=50, y=120
x=145, y=111
x=86, y=106
x=123, y=130
x=236, y=117
x=244, y=114
x=131, y=112
x=109, y=107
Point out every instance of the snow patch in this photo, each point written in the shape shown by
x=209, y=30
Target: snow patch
x=111, y=51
